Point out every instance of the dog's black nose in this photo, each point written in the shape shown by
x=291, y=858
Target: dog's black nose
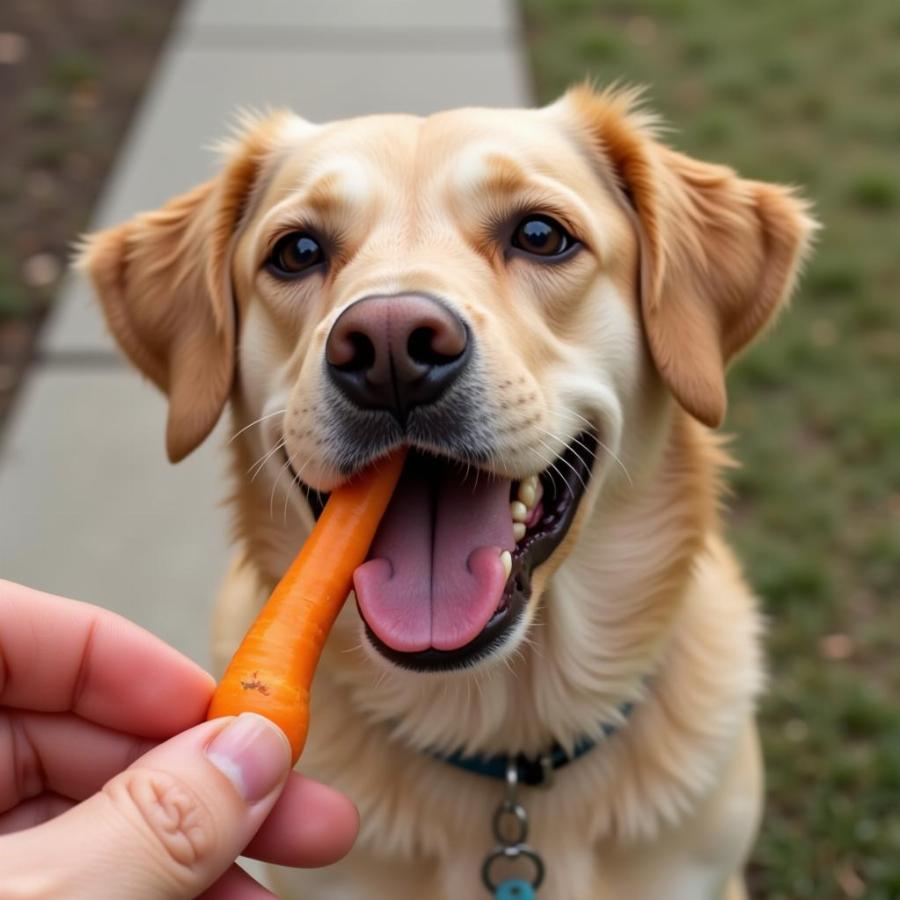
x=396, y=352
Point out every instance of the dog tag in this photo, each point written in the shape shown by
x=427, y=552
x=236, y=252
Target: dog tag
x=514, y=889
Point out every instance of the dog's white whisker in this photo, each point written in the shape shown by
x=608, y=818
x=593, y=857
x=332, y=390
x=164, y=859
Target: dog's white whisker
x=549, y=467
x=606, y=447
x=260, y=463
x=575, y=450
x=622, y=465
x=583, y=418
x=554, y=437
x=288, y=491
x=281, y=471
x=556, y=469
x=295, y=480
x=261, y=460
x=592, y=454
x=278, y=412
x=600, y=442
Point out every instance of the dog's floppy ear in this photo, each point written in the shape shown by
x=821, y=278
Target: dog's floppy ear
x=719, y=254
x=164, y=283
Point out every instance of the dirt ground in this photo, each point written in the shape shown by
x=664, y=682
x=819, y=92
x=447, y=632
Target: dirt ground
x=71, y=76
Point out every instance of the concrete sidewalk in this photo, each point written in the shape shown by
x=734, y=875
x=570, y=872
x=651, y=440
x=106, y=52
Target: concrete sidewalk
x=89, y=507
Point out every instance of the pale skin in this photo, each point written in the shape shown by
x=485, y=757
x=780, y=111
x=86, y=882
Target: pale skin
x=112, y=784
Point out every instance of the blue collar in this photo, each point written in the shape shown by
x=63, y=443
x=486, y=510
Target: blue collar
x=535, y=771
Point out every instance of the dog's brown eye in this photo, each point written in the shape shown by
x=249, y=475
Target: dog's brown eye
x=542, y=236
x=295, y=253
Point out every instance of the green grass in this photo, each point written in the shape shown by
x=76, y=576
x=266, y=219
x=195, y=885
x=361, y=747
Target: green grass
x=13, y=302
x=807, y=93
x=74, y=68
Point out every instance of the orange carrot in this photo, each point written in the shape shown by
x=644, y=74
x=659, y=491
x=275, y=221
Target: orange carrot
x=272, y=671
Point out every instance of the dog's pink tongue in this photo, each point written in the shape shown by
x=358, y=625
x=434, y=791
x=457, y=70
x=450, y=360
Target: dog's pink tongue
x=434, y=576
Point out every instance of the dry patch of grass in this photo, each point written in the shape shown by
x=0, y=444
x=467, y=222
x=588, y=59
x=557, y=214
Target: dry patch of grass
x=72, y=74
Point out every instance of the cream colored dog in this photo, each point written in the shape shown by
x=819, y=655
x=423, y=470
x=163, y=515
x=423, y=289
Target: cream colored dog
x=541, y=304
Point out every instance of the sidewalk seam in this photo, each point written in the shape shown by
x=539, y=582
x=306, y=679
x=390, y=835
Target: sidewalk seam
x=342, y=40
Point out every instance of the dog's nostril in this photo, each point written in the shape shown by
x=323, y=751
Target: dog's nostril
x=421, y=348
x=362, y=355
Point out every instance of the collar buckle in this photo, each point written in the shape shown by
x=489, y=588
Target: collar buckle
x=536, y=771
x=547, y=771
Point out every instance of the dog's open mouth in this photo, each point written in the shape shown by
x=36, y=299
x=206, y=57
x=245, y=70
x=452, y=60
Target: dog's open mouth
x=449, y=572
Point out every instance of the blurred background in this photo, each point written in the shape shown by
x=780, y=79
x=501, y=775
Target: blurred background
x=805, y=92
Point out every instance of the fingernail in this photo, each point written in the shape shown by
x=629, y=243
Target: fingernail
x=253, y=754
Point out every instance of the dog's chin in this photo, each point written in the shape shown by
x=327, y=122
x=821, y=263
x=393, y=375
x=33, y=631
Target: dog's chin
x=562, y=488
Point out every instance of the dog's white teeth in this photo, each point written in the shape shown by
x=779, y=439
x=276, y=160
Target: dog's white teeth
x=528, y=492
x=506, y=562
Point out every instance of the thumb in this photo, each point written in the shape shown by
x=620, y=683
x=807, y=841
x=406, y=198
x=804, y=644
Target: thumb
x=165, y=828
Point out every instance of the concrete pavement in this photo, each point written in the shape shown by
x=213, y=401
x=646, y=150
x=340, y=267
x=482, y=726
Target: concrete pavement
x=89, y=506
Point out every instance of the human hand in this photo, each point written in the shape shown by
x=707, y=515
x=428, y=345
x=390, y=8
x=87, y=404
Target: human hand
x=92, y=804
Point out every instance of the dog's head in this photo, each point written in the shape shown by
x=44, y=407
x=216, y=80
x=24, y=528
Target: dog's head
x=516, y=295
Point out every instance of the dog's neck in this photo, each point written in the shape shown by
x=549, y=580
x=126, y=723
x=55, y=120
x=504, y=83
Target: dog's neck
x=601, y=629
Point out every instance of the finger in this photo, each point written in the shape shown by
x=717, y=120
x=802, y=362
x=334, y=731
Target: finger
x=58, y=655
x=34, y=811
x=168, y=826
x=61, y=753
x=236, y=884
x=311, y=825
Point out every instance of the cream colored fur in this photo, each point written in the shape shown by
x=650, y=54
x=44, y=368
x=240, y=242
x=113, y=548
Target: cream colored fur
x=683, y=264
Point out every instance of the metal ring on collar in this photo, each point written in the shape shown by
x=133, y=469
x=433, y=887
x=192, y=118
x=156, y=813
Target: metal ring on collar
x=512, y=853
x=513, y=813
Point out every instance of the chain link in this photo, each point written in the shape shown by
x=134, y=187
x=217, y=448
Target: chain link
x=510, y=827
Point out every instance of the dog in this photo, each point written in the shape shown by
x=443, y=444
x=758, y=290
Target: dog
x=541, y=304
